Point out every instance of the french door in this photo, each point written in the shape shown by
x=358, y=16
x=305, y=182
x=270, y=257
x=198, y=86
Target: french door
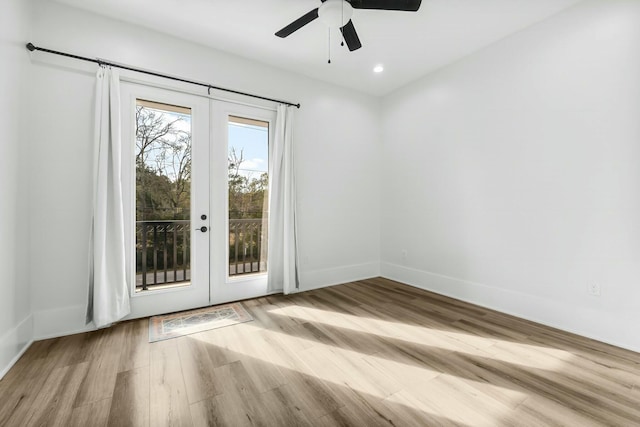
x=195, y=178
x=239, y=189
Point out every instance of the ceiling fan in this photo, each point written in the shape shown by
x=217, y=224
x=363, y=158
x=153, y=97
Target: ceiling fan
x=337, y=13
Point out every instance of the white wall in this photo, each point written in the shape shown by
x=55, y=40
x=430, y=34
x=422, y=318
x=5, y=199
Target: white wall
x=511, y=178
x=15, y=306
x=336, y=132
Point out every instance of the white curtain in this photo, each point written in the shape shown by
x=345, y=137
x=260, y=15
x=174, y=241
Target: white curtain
x=108, y=287
x=282, y=265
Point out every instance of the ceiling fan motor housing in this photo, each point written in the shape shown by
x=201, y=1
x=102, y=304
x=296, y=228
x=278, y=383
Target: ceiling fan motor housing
x=335, y=13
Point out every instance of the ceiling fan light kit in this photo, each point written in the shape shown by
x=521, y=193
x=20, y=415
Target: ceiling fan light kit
x=335, y=13
x=338, y=13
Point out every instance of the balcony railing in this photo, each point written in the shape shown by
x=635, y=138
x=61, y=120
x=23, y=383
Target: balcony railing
x=163, y=251
x=247, y=247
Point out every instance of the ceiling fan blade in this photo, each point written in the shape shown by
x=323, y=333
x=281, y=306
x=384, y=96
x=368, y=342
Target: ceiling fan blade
x=350, y=36
x=406, y=5
x=298, y=23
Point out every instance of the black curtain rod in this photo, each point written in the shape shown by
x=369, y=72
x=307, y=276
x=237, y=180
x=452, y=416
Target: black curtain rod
x=32, y=47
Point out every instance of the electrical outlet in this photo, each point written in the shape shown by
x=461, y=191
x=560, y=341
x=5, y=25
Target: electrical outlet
x=594, y=289
x=404, y=254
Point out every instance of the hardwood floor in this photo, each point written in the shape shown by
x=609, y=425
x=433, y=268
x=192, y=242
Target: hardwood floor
x=373, y=352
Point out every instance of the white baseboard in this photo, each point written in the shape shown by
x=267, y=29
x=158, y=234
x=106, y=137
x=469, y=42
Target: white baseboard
x=612, y=328
x=317, y=279
x=14, y=343
x=58, y=322
x=62, y=321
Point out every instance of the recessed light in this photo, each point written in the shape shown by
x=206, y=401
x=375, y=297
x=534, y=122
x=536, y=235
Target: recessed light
x=378, y=68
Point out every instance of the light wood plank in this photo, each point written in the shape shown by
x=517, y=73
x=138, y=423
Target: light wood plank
x=94, y=414
x=197, y=369
x=169, y=405
x=100, y=380
x=135, y=350
x=130, y=402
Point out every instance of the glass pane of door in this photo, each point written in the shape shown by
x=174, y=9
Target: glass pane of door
x=163, y=195
x=248, y=166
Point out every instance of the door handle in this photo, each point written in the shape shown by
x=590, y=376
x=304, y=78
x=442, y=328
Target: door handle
x=203, y=229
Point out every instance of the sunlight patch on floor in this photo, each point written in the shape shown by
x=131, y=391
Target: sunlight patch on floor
x=372, y=374
x=437, y=398
x=494, y=348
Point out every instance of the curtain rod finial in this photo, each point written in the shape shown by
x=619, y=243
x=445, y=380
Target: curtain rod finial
x=31, y=47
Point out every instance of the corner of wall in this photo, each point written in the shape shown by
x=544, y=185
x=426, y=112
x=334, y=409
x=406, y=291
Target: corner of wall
x=16, y=333
x=317, y=279
x=14, y=343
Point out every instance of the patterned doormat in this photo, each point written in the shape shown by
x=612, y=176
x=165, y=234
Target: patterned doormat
x=189, y=322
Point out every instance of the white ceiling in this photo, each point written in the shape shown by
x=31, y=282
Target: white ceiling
x=409, y=45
